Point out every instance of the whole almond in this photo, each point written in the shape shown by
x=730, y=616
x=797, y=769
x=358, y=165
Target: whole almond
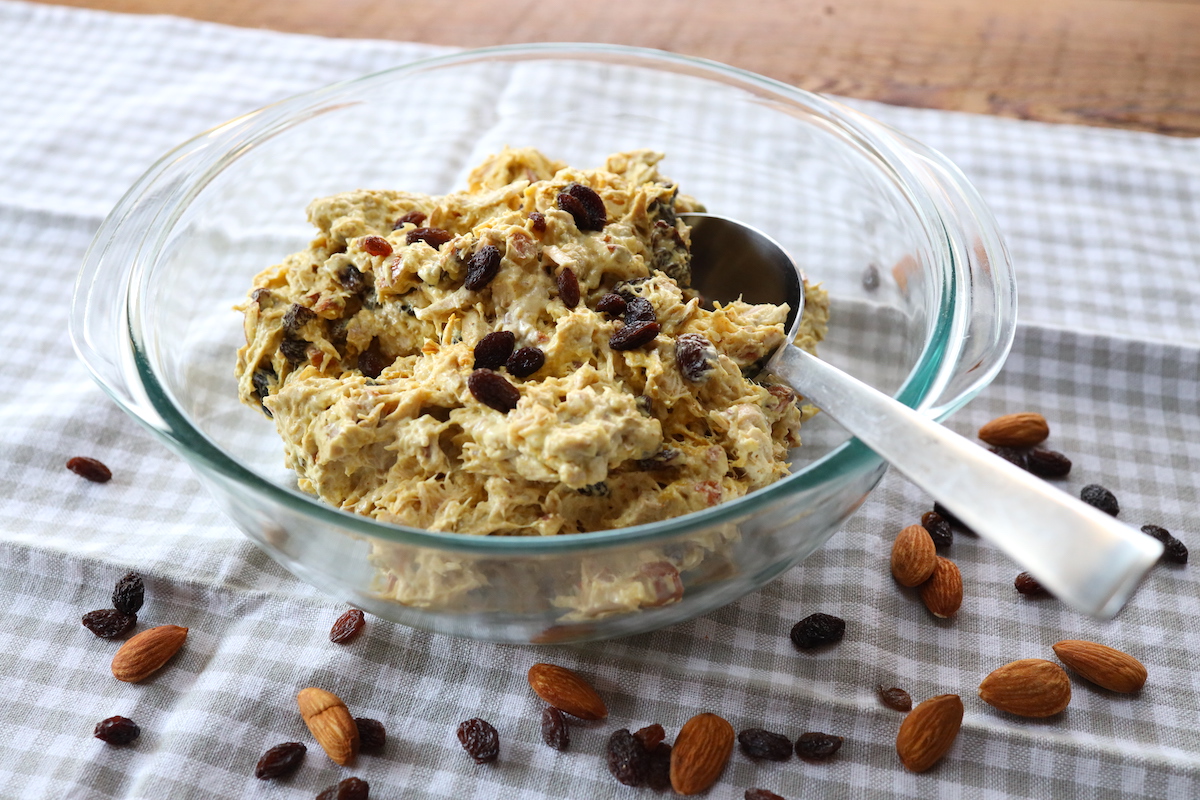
x=566, y=691
x=928, y=731
x=942, y=594
x=1102, y=665
x=1030, y=687
x=1024, y=429
x=700, y=752
x=144, y=654
x=330, y=723
x=913, y=556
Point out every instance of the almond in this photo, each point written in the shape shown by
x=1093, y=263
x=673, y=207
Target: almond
x=913, y=556
x=144, y=654
x=1102, y=665
x=330, y=723
x=928, y=731
x=942, y=594
x=701, y=750
x=1024, y=429
x=1031, y=687
x=566, y=691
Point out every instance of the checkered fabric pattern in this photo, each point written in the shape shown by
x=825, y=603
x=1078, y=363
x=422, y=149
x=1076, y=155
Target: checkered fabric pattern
x=1103, y=226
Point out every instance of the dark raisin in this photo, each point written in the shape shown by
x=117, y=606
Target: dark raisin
x=584, y=205
x=611, y=304
x=1013, y=455
x=538, y=221
x=349, y=789
x=526, y=361
x=482, y=267
x=599, y=489
x=280, y=761
x=434, y=237
x=759, y=743
x=894, y=698
x=1096, y=495
x=554, y=728
x=693, y=354
x=817, y=746
x=817, y=630
x=1028, y=585
x=351, y=279
x=938, y=527
x=372, y=736
x=631, y=337
x=129, y=593
x=628, y=760
x=644, y=404
x=954, y=521
x=294, y=350
x=373, y=361
x=761, y=794
x=658, y=774
x=411, y=218
x=261, y=296
x=262, y=379
x=493, y=390
x=660, y=460
x=116, y=730
x=870, y=278
x=638, y=310
x=480, y=740
x=90, y=468
x=493, y=350
x=568, y=287
x=108, y=623
x=650, y=736
x=347, y=626
x=375, y=246
x=1047, y=463
x=296, y=317
x=1174, y=551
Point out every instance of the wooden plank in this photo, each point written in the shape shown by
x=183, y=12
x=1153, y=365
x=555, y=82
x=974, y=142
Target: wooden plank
x=1123, y=63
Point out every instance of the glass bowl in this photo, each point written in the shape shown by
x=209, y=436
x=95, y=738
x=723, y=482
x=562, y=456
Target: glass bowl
x=923, y=307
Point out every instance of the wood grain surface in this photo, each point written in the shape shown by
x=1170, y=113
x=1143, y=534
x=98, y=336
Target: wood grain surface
x=1122, y=63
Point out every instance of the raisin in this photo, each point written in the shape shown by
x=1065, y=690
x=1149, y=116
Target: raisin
x=628, y=760
x=693, y=355
x=116, y=730
x=1096, y=495
x=351, y=279
x=658, y=774
x=349, y=789
x=631, y=337
x=262, y=380
x=1013, y=455
x=638, y=310
x=434, y=237
x=870, y=278
x=493, y=350
x=411, y=218
x=817, y=746
x=373, y=361
x=759, y=743
x=372, y=736
x=538, y=221
x=761, y=794
x=660, y=460
x=568, y=287
x=611, y=304
x=480, y=740
x=294, y=350
x=375, y=246
x=817, y=630
x=1047, y=463
x=526, y=361
x=554, y=728
x=280, y=761
x=482, y=267
x=261, y=296
x=1028, y=586
x=938, y=527
x=650, y=736
x=129, y=593
x=954, y=521
x=599, y=489
x=90, y=468
x=347, y=626
x=493, y=390
x=296, y=317
x=108, y=623
x=894, y=698
x=1174, y=551
x=584, y=205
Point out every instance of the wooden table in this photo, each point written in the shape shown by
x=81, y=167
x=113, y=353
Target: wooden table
x=1121, y=63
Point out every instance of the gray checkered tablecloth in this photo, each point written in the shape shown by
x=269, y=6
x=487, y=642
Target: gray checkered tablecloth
x=1104, y=227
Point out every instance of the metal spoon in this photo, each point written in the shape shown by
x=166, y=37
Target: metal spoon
x=1081, y=555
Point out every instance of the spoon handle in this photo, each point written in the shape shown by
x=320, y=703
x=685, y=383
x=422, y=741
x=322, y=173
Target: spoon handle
x=1083, y=556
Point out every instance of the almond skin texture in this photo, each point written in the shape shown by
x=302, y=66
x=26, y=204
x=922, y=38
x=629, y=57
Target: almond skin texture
x=1102, y=665
x=1031, y=687
x=913, y=556
x=330, y=723
x=1016, y=430
x=701, y=750
x=144, y=654
x=928, y=731
x=566, y=691
x=942, y=594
